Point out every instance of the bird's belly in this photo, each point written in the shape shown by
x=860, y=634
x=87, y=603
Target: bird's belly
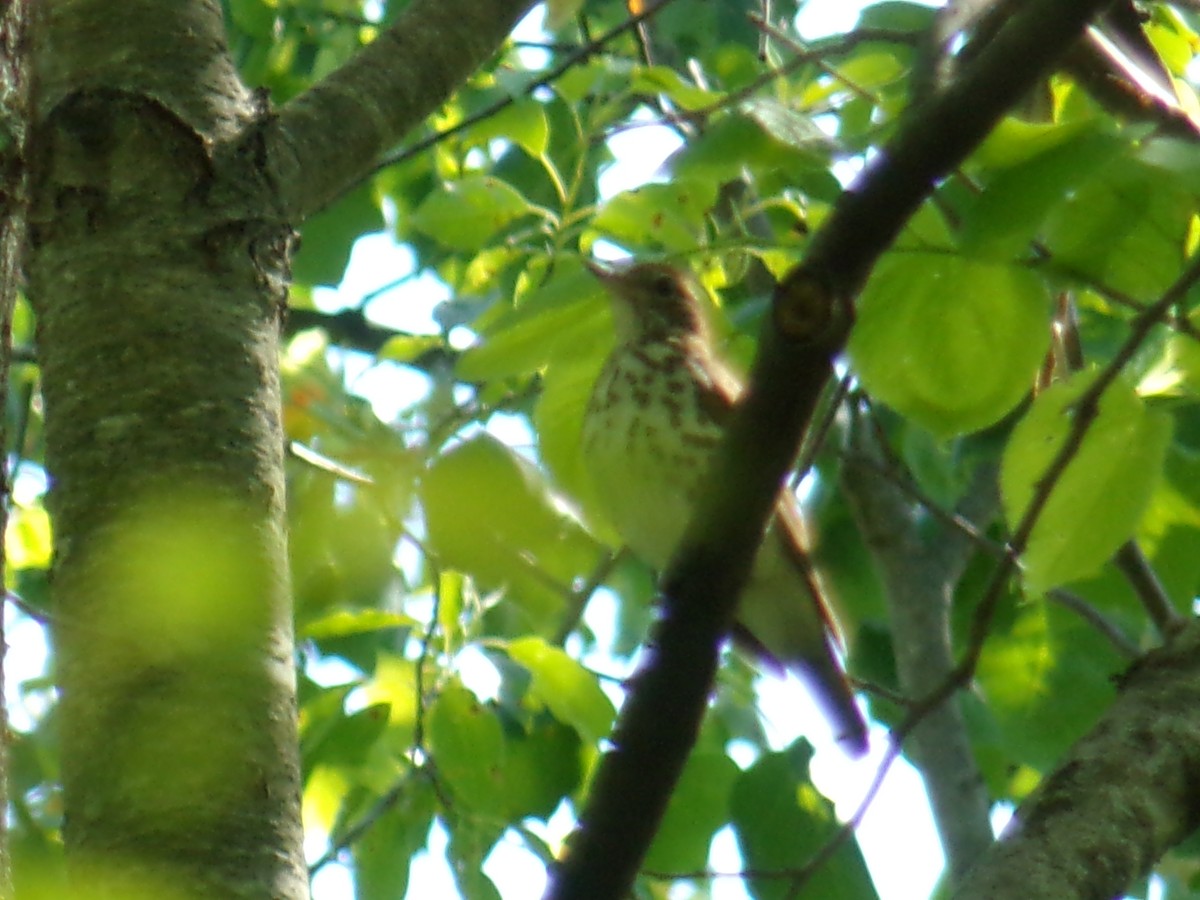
x=648, y=506
x=645, y=472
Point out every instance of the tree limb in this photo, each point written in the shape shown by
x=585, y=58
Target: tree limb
x=336, y=131
x=1125, y=794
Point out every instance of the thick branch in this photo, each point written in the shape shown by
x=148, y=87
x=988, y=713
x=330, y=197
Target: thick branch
x=808, y=328
x=1125, y=794
x=335, y=132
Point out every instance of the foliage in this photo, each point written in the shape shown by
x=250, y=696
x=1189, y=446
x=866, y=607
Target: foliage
x=465, y=590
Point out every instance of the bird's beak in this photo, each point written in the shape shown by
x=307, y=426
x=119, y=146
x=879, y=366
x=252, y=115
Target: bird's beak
x=603, y=272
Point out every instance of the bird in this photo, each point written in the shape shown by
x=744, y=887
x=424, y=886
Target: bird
x=656, y=413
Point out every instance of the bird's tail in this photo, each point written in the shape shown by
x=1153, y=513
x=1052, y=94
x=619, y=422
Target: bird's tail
x=815, y=662
x=785, y=618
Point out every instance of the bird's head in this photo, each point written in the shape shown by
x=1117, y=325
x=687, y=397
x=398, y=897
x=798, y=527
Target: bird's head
x=652, y=300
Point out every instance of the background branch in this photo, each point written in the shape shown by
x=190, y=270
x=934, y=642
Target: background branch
x=920, y=567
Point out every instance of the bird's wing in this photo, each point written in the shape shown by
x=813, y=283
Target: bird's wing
x=718, y=384
x=792, y=532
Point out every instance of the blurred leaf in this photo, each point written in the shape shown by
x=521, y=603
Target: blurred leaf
x=781, y=822
x=666, y=81
x=1046, y=676
x=28, y=541
x=1126, y=228
x=542, y=765
x=404, y=348
x=344, y=622
x=490, y=513
x=560, y=12
x=523, y=122
x=327, y=238
x=1096, y=504
x=570, y=691
x=564, y=317
x=699, y=807
x=470, y=843
x=954, y=343
x=669, y=216
x=383, y=855
x=1034, y=177
x=466, y=213
x=468, y=746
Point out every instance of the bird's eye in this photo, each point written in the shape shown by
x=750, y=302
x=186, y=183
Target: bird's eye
x=664, y=286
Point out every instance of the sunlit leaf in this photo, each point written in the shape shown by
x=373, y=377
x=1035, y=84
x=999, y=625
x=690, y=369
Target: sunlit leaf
x=1096, y=504
x=569, y=690
x=346, y=622
x=1046, y=676
x=491, y=514
x=658, y=215
x=952, y=342
x=468, y=745
x=466, y=213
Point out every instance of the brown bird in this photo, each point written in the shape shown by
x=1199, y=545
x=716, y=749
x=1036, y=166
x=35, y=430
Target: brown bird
x=656, y=413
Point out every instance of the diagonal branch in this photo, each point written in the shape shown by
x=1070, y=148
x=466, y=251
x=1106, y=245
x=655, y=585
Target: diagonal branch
x=335, y=132
x=809, y=327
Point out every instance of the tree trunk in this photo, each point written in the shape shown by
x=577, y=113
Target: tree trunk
x=157, y=269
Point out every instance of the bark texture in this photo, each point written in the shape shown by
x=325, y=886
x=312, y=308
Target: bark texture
x=157, y=268
x=1125, y=794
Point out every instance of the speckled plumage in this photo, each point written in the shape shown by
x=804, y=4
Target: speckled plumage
x=656, y=414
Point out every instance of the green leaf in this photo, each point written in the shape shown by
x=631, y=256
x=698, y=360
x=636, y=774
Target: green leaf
x=559, y=13
x=542, y=765
x=404, y=348
x=465, y=214
x=468, y=745
x=471, y=841
x=1125, y=228
x=255, y=17
x=787, y=126
x=699, y=807
x=1096, y=505
x=349, y=739
x=382, y=855
x=782, y=821
x=953, y=343
x=1046, y=676
x=568, y=690
x=347, y=622
x=558, y=417
x=1016, y=200
x=666, y=81
x=490, y=514
x=565, y=317
x=523, y=122
x=669, y=216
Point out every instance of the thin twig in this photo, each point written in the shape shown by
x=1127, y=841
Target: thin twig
x=568, y=62
x=1131, y=562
